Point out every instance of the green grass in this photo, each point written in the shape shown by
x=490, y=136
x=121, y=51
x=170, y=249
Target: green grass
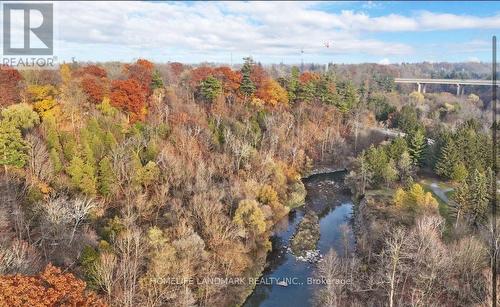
x=383, y=192
x=444, y=209
x=450, y=194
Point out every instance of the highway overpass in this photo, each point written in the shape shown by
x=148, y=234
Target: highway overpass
x=421, y=83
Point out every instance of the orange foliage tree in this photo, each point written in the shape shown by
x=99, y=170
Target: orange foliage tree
x=50, y=288
x=129, y=96
x=258, y=76
x=230, y=79
x=272, y=93
x=9, y=85
x=142, y=72
x=308, y=76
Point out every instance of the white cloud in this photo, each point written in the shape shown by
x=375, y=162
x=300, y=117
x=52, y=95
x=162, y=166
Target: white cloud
x=384, y=61
x=256, y=28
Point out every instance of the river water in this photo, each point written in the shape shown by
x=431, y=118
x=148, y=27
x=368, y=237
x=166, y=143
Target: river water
x=332, y=203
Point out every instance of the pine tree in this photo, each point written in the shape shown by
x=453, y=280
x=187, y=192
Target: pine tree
x=210, y=88
x=75, y=170
x=247, y=87
x=479, y=192
x=416, y=146
x=56, y=161
x=156, y=81
x=405, y=167
x=106, y=177
x=471, y=198
x=82, y=175
x=447, y=159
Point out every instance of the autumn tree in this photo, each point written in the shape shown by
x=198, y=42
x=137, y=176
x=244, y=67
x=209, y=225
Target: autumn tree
x=250, y=217
x=10, y=80
x=415, y=199
x=230, y=81
x=129, y=96
x=52, y=287
x=142, y=72
x=44, y=101
x=272, y=93
x=92, y=70
x=94, y=88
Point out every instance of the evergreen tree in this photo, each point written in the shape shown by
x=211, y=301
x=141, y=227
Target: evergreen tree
x=106, y=177
x=247, y=87
x=56, y=161
x=348, y=97
x=210, y=88
x=471, y=198
x=479, y=192
x=405, y=168
x=75, y=170
x=447, y=159
x=416, y=146
x=156, y=81
x=82, y=175
x=459, y=172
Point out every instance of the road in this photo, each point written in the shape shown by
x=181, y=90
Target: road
x=436, y=189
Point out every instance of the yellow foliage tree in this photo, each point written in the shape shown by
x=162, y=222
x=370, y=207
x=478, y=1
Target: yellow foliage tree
x=416, y=199
x=250, y=216
x=43, y=99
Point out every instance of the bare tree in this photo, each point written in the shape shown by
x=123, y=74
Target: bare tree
x=393, y=258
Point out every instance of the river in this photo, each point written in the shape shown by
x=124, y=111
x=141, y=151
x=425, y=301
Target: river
x=332, y=203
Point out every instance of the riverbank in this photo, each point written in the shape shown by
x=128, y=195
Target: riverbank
x=326, y=199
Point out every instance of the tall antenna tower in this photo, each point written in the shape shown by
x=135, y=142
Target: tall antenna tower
x=302, y=59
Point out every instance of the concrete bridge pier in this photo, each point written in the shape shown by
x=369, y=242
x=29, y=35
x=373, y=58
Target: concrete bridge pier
x=419, y=87
x=458, y=89
x=424, y=88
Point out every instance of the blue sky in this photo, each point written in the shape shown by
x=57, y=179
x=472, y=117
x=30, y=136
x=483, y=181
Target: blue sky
x=274, y=32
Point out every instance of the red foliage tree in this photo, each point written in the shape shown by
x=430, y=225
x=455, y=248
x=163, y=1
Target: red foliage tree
x=142, y=72
x=129, y=96
x=94, y=87
x=176, y=68
x=199, y=74
x=258, y=76
x=50, y=288
x=9, y=85
x=93, y=70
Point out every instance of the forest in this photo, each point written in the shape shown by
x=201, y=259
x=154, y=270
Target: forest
x=122, y=182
